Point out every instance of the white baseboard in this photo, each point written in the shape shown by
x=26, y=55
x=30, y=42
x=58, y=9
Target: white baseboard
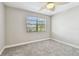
x=19, y=44
x=1, y=51
x=66, y=43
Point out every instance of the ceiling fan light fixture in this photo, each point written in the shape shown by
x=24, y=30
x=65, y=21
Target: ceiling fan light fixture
x=50, y=5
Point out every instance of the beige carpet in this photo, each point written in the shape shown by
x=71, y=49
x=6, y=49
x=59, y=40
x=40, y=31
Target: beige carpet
x=43, y=48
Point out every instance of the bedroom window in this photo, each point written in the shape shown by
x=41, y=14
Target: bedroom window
x=35, y=24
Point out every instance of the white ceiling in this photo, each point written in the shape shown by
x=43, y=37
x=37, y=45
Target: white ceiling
x=35, y=6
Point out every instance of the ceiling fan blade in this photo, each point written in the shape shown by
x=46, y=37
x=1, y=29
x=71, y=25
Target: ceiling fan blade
x=43, y=7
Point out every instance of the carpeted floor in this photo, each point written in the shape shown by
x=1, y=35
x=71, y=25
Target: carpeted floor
x=43, y=48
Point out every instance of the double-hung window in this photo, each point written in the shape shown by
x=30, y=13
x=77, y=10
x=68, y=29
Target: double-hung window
x=35, y=24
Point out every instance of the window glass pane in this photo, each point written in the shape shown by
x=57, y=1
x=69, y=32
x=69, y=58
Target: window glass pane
x=41, y=29
x=32, y=18
x=31, y=29
x=35, y=24
x=31, y=25
x=31, y=22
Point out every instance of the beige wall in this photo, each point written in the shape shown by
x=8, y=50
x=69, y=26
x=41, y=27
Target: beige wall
x=2, y=26
x=16, y=27
x=65, y=26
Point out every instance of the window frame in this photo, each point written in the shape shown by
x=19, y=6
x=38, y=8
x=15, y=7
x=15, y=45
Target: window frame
x=41, y=23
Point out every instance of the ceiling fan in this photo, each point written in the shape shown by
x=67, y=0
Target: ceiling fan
x=49, y=6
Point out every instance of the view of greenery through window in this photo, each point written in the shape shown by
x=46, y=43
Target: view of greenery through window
x=35, y=24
